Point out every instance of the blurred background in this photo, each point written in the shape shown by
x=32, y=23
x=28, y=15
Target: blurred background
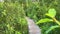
x=12, y=13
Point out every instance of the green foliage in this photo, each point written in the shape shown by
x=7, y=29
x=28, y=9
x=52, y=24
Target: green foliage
x=51, y=13
x=51, y=28
x=44, y=20
x=12, y=14
x=17, y=32
x=11, y=19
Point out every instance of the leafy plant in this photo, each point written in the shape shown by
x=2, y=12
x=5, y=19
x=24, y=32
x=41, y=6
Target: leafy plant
x=51, y=13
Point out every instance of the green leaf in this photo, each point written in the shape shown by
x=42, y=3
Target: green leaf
x=17, y=32
x=51, y=28
x=51, y=13
x=4, y=12
x=44, y=20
